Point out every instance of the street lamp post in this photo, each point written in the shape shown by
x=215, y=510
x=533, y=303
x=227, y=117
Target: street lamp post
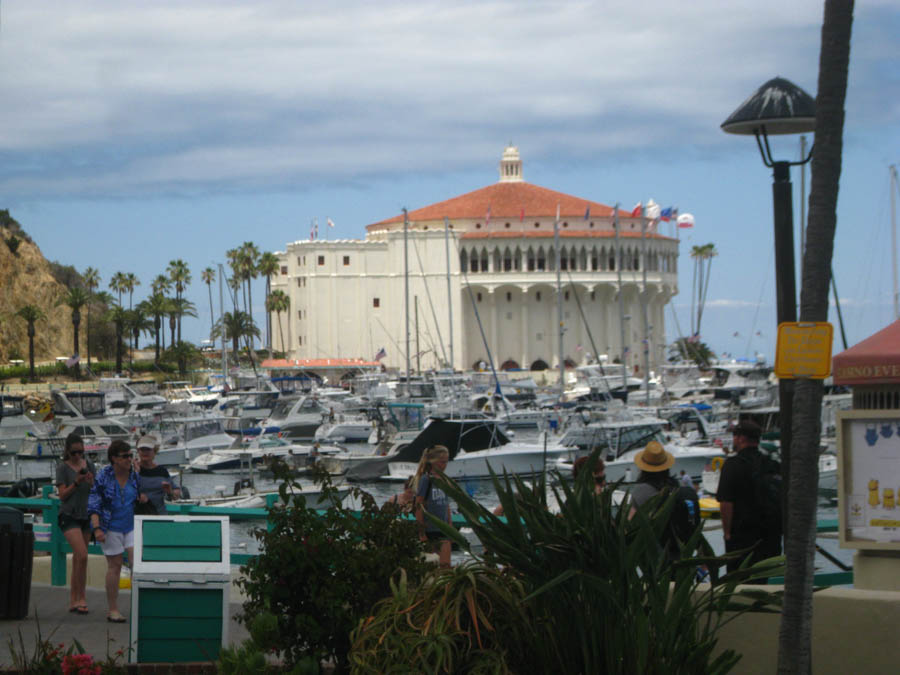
x=776, y=108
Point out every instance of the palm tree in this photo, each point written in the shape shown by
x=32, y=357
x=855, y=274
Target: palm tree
x=235, y=325
x=795, y=636
x=278, y=301
x=130, y=281
x=119, y=316
x=702, y=256
x=161, y=284
x=117, y=285
x=209, y=276
x=248, y=261
x=31, y=314
x=75, y=299
x=92, y=281
x=180, y=275
x=183, y=354
x=138, y=321
x=156, y=306
x=268, y=267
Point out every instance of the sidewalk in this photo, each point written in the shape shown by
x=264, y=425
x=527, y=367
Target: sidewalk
x=48, y=608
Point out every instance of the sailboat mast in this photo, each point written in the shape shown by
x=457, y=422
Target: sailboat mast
x=222, y=319
x=894, y=186
x=449, y=290
x=559, y=316
x=618, y=262
x=644, y=305
x=406, y=290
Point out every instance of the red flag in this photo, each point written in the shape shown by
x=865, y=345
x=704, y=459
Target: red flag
x=487, y=218
x=636, y=211
x=522, y=215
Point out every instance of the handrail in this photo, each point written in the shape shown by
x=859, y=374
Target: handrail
x=59, y=547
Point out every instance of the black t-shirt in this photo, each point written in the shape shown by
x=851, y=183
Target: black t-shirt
x=736, y=486
x=151, y=485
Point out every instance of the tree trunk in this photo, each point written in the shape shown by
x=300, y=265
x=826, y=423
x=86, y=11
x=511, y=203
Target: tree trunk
x=157, y=324
x=172, y=325
x=795, y=638
x=118, y=347
x=31, y=349
x=76, y=322
x=281, y=332
x=88, y=341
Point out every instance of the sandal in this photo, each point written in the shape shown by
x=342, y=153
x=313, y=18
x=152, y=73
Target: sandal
x=115, y=618
x=80, y=609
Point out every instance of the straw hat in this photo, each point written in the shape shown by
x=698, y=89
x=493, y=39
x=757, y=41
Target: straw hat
x=654, y=458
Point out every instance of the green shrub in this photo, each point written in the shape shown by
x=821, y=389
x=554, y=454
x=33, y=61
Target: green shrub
x=599, y=594
x=320, y=572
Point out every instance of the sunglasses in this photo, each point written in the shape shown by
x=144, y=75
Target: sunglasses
x=124, y=456
x=76, y=452
x=599, y=480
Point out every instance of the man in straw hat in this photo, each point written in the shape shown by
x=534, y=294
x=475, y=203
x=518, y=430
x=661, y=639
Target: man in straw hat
x=745, y=524
x=654, y=462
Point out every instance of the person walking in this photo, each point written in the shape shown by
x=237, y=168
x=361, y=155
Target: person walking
x=111, y=503
x=74, y=478
x=434, y=500
x=156, y=482
x=743, y=502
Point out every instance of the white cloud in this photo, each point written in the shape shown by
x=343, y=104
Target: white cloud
x=107, y=98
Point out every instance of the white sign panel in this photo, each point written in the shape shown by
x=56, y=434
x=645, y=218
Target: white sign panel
x=870, y=481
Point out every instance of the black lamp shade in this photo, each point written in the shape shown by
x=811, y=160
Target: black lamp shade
x=777, y=107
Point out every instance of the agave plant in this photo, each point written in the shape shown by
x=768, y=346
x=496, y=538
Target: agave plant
x=600, y=593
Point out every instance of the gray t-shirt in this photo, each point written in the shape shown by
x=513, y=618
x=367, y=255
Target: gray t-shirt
x=641, y=493
x=75, y=505
x=437, y=503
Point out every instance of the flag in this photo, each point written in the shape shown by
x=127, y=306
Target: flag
x=666, y=214
x=522, y=215
x=312, y=230
x=381, y=354
x=330, y=222
x=685, y=220
x=587, y=213
x=72, y=361
x=652, y=210
x=636, y=211
x=487, y=218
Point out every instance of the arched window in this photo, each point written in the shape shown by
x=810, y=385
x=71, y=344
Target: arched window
x=563, y=259
x=530, y=258
x=507, y=261
x=517, y=259
x=595, y=260
x=509, y=364
x=463, y=259
x=540, y=364
x=484, y=260
x=541, y=260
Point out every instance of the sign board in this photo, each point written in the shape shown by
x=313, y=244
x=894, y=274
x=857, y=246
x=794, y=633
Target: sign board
x=804, y=350
x=868, y=445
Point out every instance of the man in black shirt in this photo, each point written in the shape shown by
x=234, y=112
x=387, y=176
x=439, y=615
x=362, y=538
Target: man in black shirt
x=738, y=498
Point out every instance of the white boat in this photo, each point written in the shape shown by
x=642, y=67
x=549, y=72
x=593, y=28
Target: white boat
x=15, y=424
x=256, y=452
x=182, y=439
x=345, y=429
x=296, y=418
x=250, y=498
x=827, y=475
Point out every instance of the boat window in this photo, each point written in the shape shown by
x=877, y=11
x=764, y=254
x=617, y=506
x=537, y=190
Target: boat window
x=114, y=430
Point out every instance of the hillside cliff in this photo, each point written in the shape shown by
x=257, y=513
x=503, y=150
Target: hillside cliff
x=26, y=279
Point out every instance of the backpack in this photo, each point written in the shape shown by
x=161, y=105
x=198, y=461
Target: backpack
x=765, y=475
x=683, y=520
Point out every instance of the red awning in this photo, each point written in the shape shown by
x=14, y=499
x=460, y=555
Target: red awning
x=875, y=360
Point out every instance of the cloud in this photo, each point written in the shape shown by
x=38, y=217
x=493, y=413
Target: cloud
x=112, y=99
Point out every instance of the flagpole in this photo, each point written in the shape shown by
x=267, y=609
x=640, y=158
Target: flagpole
x=644, y=306
x=621, y=297
x=449, y=289
x=559, y=312
x=406, y=291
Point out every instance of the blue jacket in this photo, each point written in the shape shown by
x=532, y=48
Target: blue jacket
x=102, y=499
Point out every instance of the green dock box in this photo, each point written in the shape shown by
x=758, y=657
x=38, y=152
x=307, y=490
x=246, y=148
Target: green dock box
x=180, y=588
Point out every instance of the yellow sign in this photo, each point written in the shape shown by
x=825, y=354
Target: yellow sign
x=804, y=350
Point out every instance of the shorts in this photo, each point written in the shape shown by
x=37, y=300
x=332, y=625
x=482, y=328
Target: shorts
x=67, y=522
x=116, y=542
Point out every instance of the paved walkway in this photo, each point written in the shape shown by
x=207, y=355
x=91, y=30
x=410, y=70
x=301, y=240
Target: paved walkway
x=48, y=611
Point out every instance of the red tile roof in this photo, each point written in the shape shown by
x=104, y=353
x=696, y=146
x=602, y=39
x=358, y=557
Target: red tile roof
x=507, y=202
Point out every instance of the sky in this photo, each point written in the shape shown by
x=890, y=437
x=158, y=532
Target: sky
x=135, y=133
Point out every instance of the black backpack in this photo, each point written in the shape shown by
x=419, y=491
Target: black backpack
x=765, y=475
x=683, y=520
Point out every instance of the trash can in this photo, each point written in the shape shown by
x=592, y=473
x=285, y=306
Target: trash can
x=179, y=588
x=16, y=558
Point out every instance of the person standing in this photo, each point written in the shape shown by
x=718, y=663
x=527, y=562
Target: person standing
x=74, y=478
x=431, y=498
x=111, y=503
x=156, y=482
x=743, y=523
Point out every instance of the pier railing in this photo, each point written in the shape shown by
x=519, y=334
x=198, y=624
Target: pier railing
x=59, y=548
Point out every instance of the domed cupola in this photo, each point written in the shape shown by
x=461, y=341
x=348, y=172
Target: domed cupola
x=511, y=166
